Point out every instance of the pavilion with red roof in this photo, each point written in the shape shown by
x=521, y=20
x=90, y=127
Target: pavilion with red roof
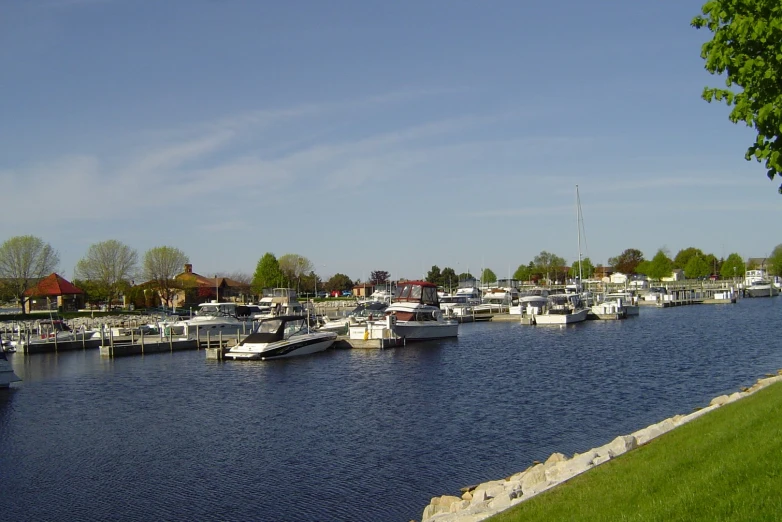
x=54, y=288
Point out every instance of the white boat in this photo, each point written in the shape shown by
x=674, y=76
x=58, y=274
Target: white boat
x=628, y=301
x=532, y=303
x=562, y=309
x=282, y=301
x=414, y=315
x=44, y=331
x=608, y=309
x=359, y=315
x=215, y=318
x=7, y=375
x=380, y=295
x=281, y=337
x=757, y=284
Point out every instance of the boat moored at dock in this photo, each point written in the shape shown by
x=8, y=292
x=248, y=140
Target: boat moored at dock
x=281, y=337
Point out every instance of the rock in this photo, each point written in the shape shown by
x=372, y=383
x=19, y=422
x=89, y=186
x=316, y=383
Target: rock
x=555, y=457
x=438, y=505
x=501, y=501
x=719, y=401
x=600, y=459
x=534, y=480
x=460, y=506
x=655, y=430
x=467, y=495
x=562, y=471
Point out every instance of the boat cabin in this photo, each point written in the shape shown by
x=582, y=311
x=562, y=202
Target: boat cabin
x=277, y=329
x=417, y=292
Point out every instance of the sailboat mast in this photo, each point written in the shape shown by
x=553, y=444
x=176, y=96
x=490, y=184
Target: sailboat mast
x=578, y=230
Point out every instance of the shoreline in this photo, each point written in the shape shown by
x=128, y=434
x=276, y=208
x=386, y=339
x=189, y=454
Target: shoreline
x=490, y=498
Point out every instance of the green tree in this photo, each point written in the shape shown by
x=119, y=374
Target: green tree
x=660, y=266
x=696, y=267
x=434, y=276
x=379, y=277
x=548, y=264
x=294, y=266
x=587, y=269
x=774, y=261
x=732, y=267
x=24, y=260
x=643, y=267
x=683, y=256
x=339, y=282
x=267, y=274
x=523, y=273
x=746, y=49
x=627, y=261
x=487, y=276
x=466, y=276
x=108, y=265
x=449, y=278
x=160, y=266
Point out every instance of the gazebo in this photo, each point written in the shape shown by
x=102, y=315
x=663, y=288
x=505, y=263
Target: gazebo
x=54, y=289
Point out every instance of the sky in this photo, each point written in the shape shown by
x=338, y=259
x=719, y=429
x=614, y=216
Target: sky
x=368, y=135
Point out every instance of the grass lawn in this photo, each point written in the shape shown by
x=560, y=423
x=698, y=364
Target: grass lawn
x=725, y=465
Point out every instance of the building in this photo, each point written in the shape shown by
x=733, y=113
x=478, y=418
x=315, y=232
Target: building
x=53, y=292
x=195, y=288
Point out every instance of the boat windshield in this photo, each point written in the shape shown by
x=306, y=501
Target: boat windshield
x=212, y=309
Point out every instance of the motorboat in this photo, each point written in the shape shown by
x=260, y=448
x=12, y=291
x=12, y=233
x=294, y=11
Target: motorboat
x=531, y=304
x=562, y=309
x=359, y=315
x=214, y=318
x=7, y=375
x=607, y=309
x=414, y=315
x=44, y=331
x=381, y=295
x=628, y=301
x=281, y=301
x=757, y=284
x=281, y=337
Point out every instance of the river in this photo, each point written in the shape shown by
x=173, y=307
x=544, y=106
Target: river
x=355, y=434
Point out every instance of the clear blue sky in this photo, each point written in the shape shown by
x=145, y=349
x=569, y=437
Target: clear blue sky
x=371, y=135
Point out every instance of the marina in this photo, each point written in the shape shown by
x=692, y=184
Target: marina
x=172, y=421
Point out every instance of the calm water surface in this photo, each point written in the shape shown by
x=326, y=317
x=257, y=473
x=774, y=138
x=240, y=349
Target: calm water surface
x=352, y=434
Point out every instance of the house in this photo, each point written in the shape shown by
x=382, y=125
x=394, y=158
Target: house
x=53, y=292
x=618, y=278
x=363, y=290
x=195, y=288
x=676, y=275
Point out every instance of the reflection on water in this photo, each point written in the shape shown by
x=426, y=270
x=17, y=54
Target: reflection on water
x=354, y=434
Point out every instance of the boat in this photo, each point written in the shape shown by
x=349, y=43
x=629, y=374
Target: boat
x=44, y=331
x=607, y=309
x=414, y=315
x=562, y=309
x=359, y=315
x=7, y=375
x=380, y=295
x=757, y=284
x=215, y=318
x=530, y=304
x=282, y=301
x=628, y=301
x=281, y=337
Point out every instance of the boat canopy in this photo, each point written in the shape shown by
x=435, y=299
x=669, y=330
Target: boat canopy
x=276, y=329
x=417, y=292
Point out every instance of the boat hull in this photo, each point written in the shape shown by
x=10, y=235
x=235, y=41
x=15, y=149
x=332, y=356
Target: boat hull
x=7, y=375
x=575, y=317
x=309, y=344
x=763, y=291
x=407, y=330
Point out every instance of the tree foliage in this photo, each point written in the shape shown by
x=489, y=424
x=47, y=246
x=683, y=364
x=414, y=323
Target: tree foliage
x=587, y=269
x=549, y=264
x=522, y=273
x=24, y=260
x=746, y=48
x=488, y=276
x=684, y=255
x=449, y=278
x=732, y=267
x=339, y=282
x=627, y=262
x=774, y=261
x=379, y=277
x=466, y=276
x=696, y=267
x=294, y=266
x=108, y=266
x=267, y=274
x=160, y=266
x=660, y=266
x=434, y=276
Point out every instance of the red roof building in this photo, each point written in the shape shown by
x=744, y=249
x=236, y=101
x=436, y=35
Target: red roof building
x=54, y=289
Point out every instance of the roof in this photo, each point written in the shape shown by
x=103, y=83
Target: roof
x=53, y=285
x=422, y=283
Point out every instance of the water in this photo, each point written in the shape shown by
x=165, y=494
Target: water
x=352, y=434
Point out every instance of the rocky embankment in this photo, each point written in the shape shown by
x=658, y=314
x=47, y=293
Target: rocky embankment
x=487, y=499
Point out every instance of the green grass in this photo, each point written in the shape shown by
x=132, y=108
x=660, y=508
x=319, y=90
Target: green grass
x=725, y=465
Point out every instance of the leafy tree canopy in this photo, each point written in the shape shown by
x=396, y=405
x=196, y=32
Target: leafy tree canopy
x=627, y=262
x=660, y=266
x=108, y=266
x=696, y=267
x=449, y=277
x=466, y=276
x=267, y=274
x=294, y=266
x=587, y=268
x=548, y=263
x=23, y=261
x=684, y=255
x=774, y=261
x=746, y=48
x=733, y=266
x=488, y=276
x=434, y=276
x=339, y=282
x=522, y=273
x=160, y=266
x=379, y=277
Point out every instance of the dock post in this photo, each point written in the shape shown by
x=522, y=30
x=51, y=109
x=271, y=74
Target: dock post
x=142, y=342
x=220, y=340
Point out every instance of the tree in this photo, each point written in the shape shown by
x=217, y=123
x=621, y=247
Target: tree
x=107, y=266
x=434, y=276
x=522, y=273
x=745, y=49
x=627, y=261
x=160, y=266
x=448, y=277
x=267, y=274
x=379, y=277
x=487, y=276
x=774, y=261
x=684, y=256
x=643, y=267
x=587, y=269
x=466, y=276
x=547, y=262
x=696, y=267
x=660, y=266
x=339, y=282
x=24, y=260
x=732, y=267
x=294, y=266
